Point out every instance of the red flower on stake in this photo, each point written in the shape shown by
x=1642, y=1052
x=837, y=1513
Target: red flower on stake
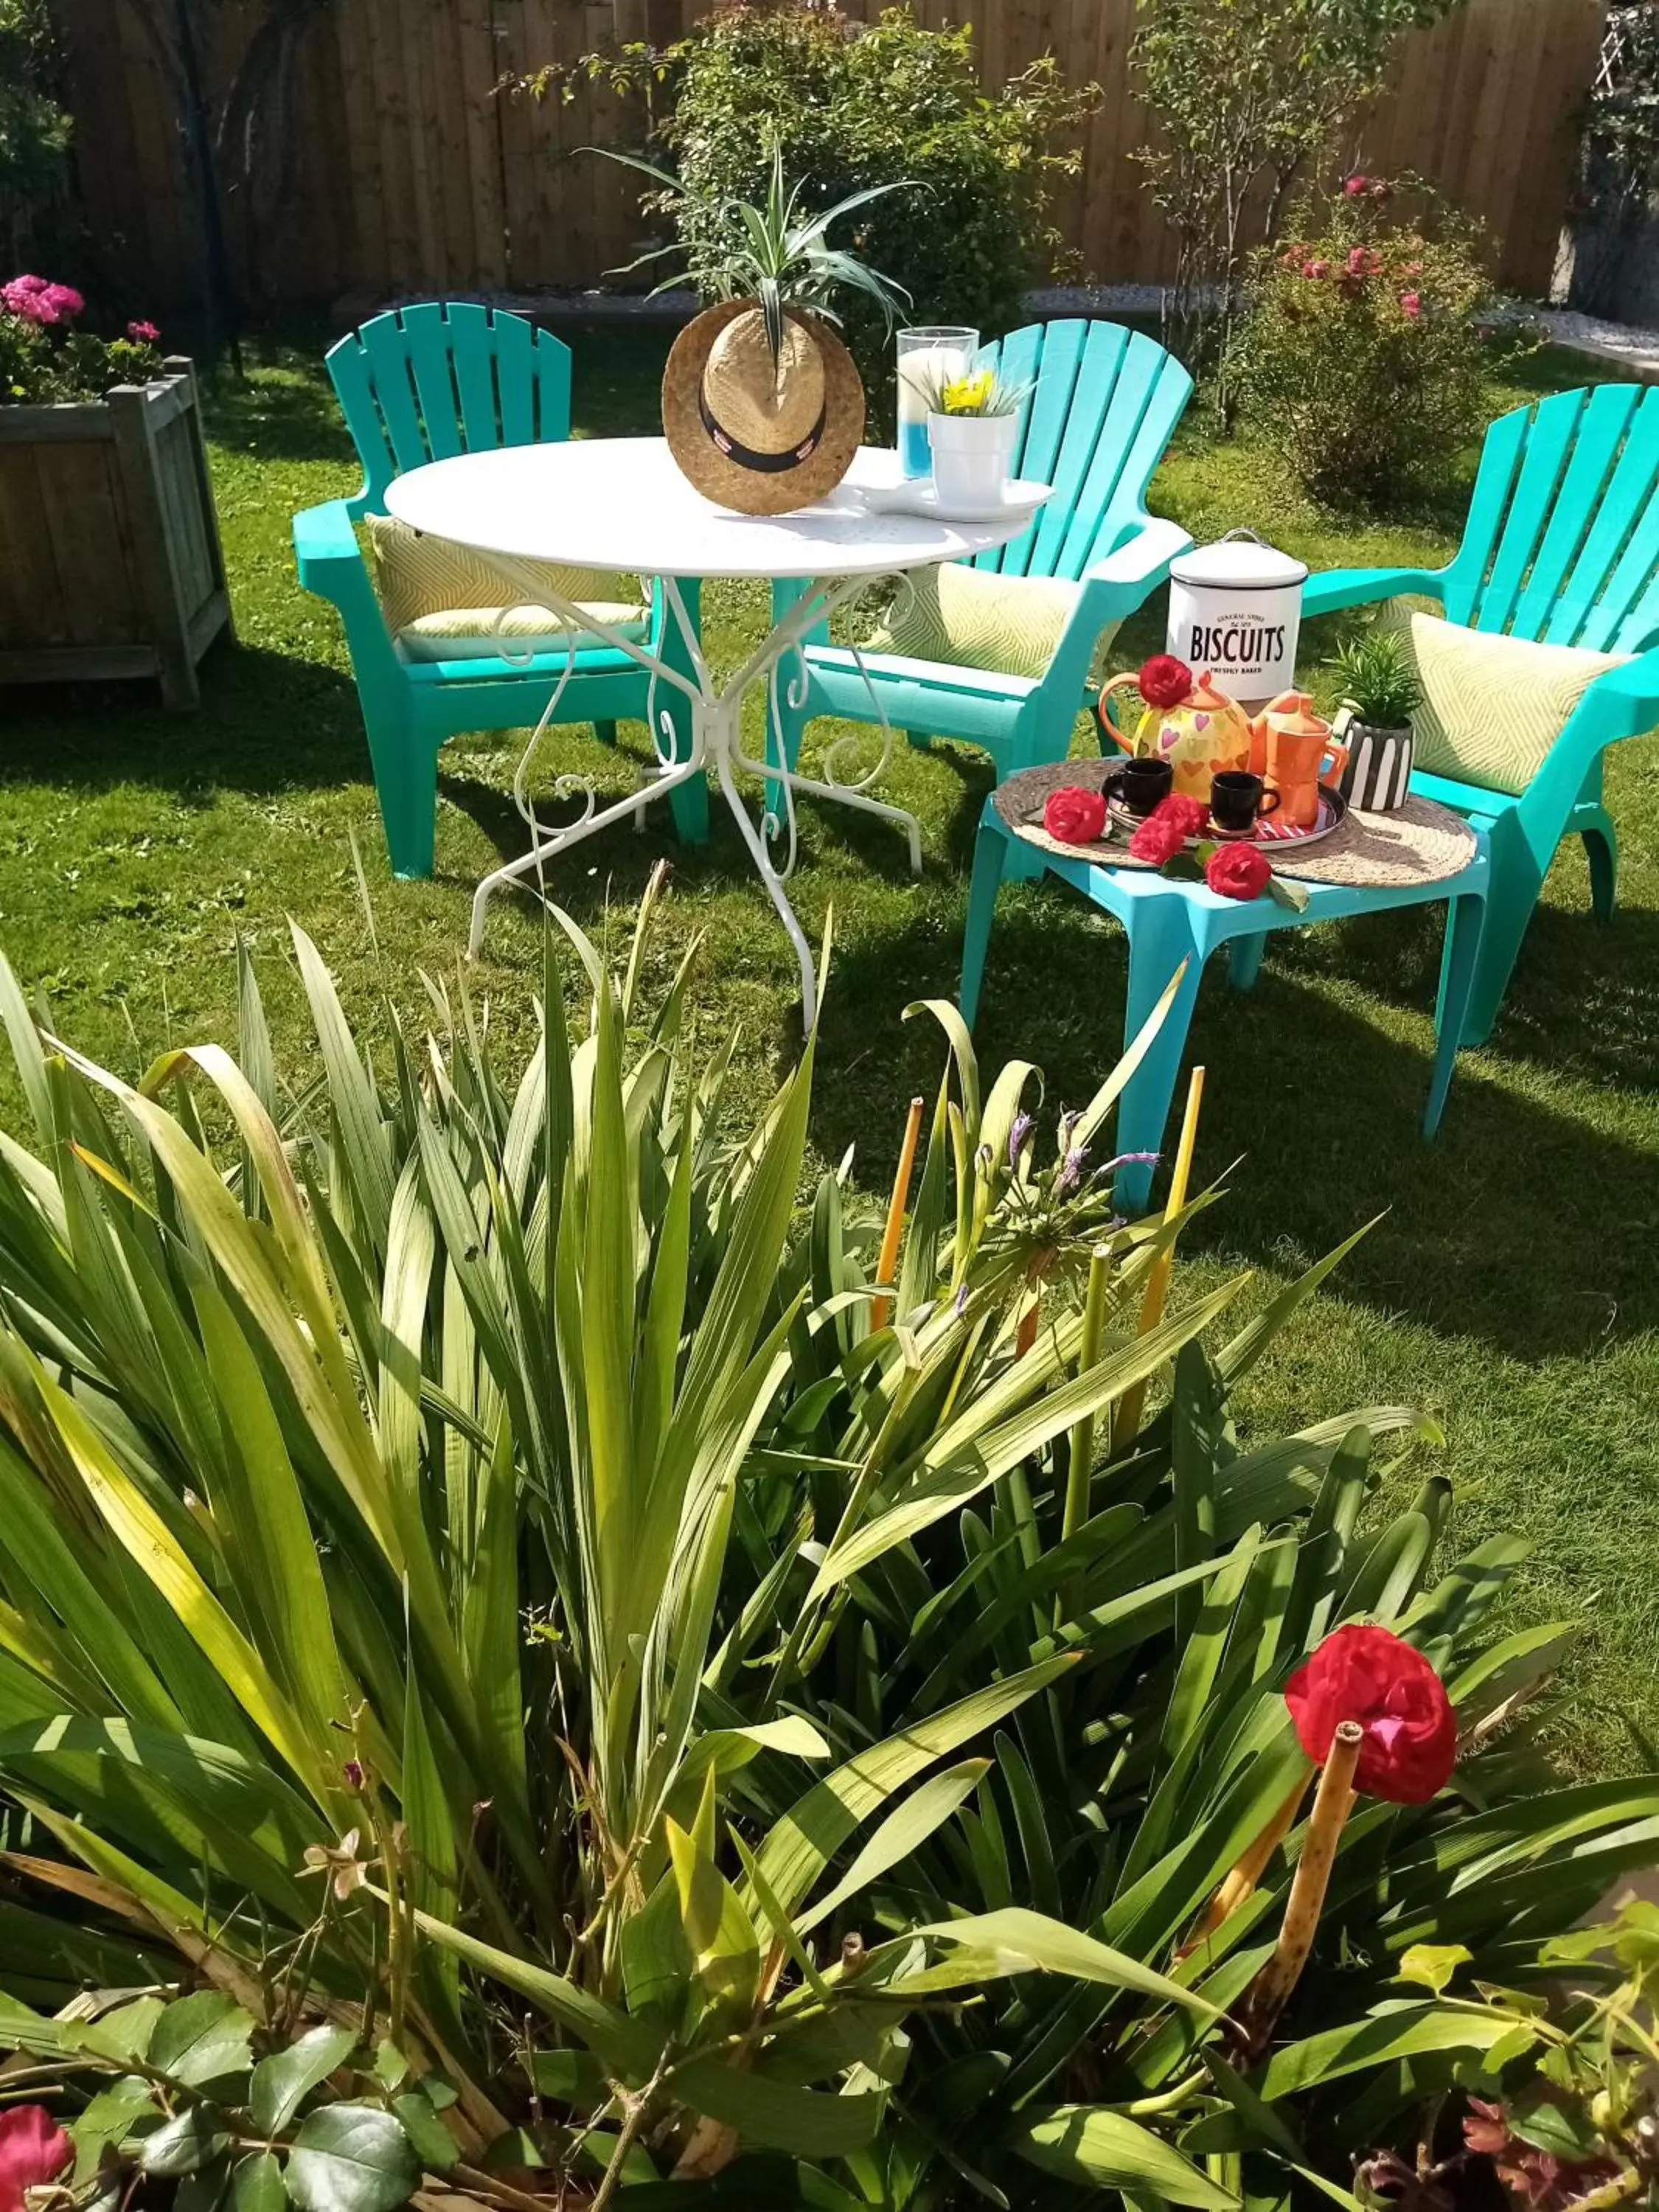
x=1369, y=1675
x=1164, y=681
x=33, y=2149
x=1071, y=817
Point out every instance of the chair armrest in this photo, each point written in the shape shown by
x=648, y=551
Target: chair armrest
x=1360, y=587
x=1626, y=701
x=323, y=541
x=1112, y=588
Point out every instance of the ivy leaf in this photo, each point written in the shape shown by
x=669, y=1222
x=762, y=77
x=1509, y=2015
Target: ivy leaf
x=1432, y=1965
x=195, y=2138
x=437, y=2148
x=201, y=2039
x=282, y=2082
x=257, y=2184
x=1183, y=868
x=352, y=2158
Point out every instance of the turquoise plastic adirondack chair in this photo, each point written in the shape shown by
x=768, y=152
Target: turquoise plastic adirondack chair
x=418, y=385
x=1105, y=404
x=1561, y=546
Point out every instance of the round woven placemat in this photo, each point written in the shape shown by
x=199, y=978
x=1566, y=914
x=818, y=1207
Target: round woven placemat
x=1421, y=842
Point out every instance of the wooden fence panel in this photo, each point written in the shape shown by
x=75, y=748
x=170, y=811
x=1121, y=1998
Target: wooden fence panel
x=407, y=173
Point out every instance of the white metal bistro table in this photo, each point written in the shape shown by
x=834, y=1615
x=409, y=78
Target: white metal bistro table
x=622, y=504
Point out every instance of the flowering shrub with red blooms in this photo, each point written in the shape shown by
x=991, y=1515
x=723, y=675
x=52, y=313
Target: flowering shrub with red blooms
x=33, y=2150
x=1164, y=681
x=44, y=360
x=1372, y=1676
x=1075, y=816
x=1362, y=362
x=1238, y=872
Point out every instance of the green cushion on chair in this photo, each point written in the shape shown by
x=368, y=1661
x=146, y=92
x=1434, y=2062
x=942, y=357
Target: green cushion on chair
x=417, y=577
x=975, y=619
x=1492, y=706
x=493, y=633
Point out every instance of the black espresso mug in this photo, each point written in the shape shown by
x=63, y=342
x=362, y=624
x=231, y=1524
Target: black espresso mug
x=1145, y=784
x=1236, y=799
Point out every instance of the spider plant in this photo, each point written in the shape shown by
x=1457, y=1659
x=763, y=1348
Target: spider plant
x=779, y=256
x=1376, y=679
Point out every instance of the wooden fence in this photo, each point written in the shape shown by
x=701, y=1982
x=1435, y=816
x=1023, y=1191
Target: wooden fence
x=396, y=169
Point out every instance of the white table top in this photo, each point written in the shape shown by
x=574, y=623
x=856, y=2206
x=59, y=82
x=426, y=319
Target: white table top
x=622, y=503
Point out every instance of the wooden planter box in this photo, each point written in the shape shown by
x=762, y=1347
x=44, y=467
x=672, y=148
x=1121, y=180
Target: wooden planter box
x=110, y=561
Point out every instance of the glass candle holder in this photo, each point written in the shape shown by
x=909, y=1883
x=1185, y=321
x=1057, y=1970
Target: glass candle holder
x=927, y=355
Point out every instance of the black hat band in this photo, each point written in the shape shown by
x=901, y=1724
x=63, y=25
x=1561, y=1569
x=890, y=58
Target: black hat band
x=769, y=465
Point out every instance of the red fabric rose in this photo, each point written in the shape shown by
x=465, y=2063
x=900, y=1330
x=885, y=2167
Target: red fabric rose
x=33, y=2149
x=1192, y=815
x=1159, y=839
x=1071, y=817
x=1369, y=1675
x=1239, y=872
x=1165, y=681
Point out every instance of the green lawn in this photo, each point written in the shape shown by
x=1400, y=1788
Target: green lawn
x=1510, y=1287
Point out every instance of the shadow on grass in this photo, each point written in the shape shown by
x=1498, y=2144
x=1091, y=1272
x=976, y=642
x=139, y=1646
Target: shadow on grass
x=269, y=722
x=1321, y=1106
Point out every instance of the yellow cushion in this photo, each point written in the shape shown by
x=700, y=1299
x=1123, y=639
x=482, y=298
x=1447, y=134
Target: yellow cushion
x=975, y=619
x=487, y=633
x=416, y=576
x=1492, y=706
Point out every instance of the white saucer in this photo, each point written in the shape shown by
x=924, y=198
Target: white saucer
x=919, y=495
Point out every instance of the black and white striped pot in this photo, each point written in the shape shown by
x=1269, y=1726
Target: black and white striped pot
x=1379, y=770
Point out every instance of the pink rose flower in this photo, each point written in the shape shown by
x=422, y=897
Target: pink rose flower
x=1411, y=305
x=1357, y=185
x=1316, y=269
x=1364, y=261
x=143, y=333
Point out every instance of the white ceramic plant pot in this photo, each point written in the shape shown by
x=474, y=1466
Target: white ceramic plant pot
x=971, y=458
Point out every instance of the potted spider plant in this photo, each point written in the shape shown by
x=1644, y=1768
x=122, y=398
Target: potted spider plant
x=763, y=407
x=1377, y=683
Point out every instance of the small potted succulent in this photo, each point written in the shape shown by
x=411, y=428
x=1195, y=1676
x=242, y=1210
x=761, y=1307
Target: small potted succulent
x=972, y=423
x=1375, y=683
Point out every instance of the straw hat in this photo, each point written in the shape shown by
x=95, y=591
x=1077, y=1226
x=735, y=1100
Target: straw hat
x=755, y=437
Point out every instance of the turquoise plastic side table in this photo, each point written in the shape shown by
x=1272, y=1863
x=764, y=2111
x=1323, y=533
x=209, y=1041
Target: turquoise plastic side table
x=1423, y=854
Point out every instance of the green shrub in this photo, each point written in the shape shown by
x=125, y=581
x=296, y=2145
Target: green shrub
x=851, y=107
x=443, y=1536
x=1363, y=360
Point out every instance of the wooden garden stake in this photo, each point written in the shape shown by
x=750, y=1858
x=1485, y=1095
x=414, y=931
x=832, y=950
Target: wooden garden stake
x=881, y=1308
x=1243, y=1878
x=1125, y=1422
x=1266, y=1998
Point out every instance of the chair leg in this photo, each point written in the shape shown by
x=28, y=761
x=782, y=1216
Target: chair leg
x=1518, y=877
x=1161, y=936
x=405, y=764
x=1601, y=851
x=990, y=857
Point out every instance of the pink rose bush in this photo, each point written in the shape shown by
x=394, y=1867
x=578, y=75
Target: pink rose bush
x=45, y=359
x=1363, y=361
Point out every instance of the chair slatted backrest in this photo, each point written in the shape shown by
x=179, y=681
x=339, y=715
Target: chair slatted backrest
x=421, y=383
x=1104, y=404
x=1562, y=544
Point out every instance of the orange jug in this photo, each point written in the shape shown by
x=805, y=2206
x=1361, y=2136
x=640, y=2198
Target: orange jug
x=1293, y=752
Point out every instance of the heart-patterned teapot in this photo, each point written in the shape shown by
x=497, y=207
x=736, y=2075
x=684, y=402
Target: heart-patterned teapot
x=1198, y=729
